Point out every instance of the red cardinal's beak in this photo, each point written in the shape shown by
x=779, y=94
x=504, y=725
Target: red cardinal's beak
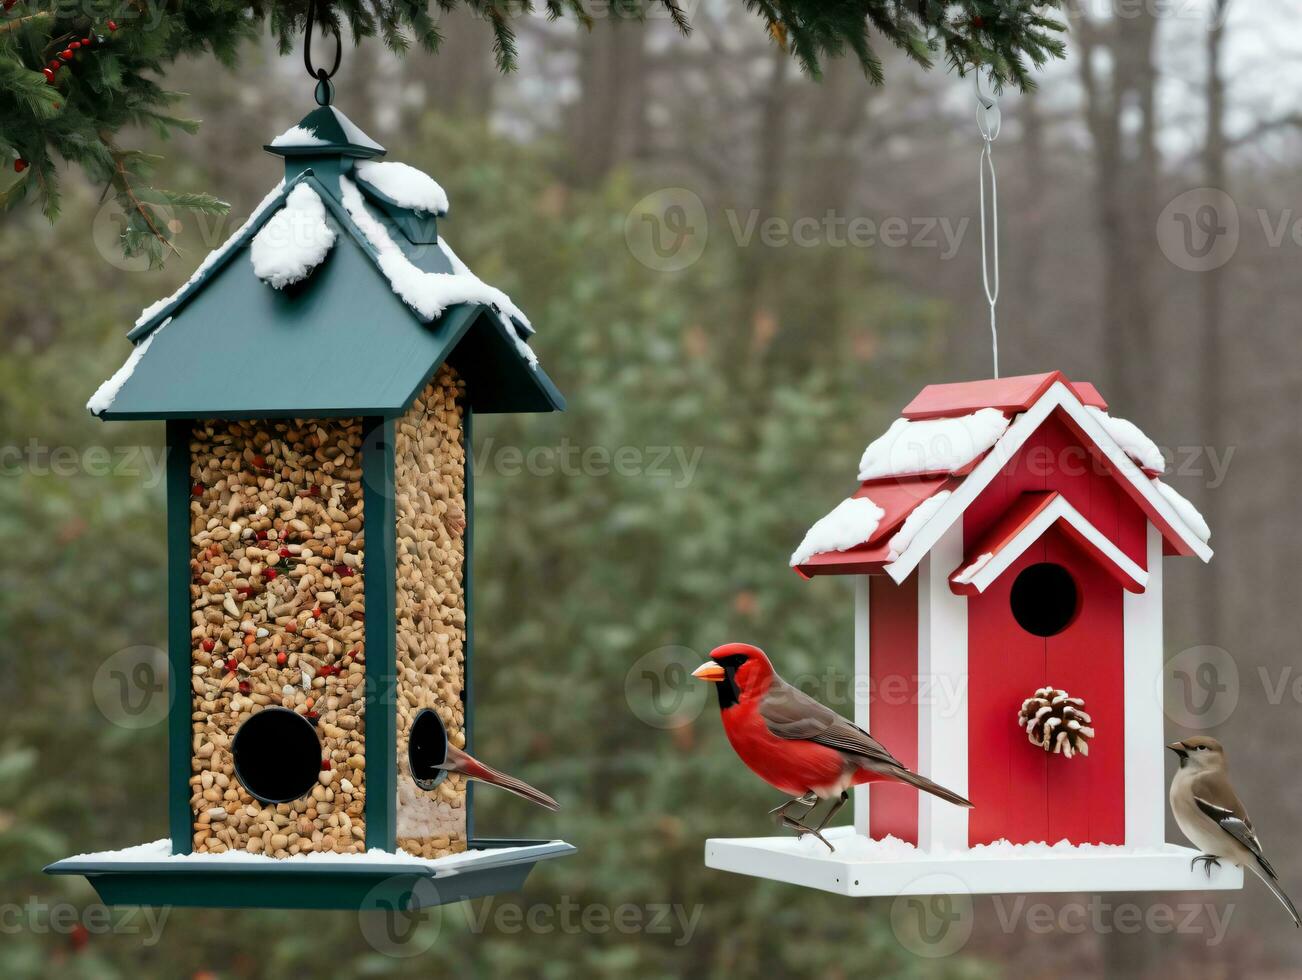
x=709, y=671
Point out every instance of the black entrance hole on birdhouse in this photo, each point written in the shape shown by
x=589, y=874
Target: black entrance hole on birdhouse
x=427, y=749
x=277, y=755
x=1044, y=599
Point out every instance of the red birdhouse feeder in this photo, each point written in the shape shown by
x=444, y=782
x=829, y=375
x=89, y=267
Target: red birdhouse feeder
x=1006, y=544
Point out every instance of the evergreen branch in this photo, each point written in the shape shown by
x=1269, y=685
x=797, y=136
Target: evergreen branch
x=122, y=184
x=28, y=20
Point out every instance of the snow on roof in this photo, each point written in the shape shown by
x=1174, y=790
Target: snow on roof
x=945, y=445
x=428, y=293
x=851, y=522
x=102, y=400
x=1187, y=511
x=298, y=136
x=915, y=467
x=212, y=258
x=914, y=523
x=406, y=186
x=294, y=241
x=1129, y=437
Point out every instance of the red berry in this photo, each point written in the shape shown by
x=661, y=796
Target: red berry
x=246, y=590
x=230, y=666
x=342, y=570
x=271, y=574
x=291, y=628
x=245, y=687
x=284, y=552
x=316, y=612
x=312, y=716
x=197, y=490
x=49, y=74
x=208, y=646
x=325, y=765
x=113, y=25
x=281, y=658
x=66, y=54
x=260, y=535
x=74, y=45
x=87, y=41
x=260, y=461
x=20, y=165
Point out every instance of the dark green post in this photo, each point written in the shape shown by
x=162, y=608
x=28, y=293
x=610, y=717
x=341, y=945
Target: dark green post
x=180, y=819
x=379, y=519
x=467, y=585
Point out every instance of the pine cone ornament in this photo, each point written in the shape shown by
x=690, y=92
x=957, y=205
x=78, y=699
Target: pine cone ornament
x=1056, y=722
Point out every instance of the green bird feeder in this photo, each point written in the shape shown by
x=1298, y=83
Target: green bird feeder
x=319, y=375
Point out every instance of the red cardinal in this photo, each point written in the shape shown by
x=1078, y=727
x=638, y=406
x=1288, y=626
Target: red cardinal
x=794, y=743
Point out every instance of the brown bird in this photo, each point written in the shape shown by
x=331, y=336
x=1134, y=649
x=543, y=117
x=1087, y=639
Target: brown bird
x=792, y=742
x=1213, y=817
x=430, y=755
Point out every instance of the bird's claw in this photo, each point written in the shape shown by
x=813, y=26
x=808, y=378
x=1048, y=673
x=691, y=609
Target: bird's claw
x=802, y=829
x=1208, y=861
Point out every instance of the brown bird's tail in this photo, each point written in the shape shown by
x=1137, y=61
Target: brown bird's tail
x=1278, y=892
x=927, y=786
x=458, y=761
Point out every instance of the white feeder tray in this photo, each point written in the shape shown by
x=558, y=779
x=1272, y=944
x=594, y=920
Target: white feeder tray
x=861, y=866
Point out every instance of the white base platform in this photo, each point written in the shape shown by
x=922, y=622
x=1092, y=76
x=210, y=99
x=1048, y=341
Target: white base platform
x=863, y=867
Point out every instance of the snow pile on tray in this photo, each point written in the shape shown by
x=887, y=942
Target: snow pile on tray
x=1186, y=511
x=969, y=573
x=294, y=242
x=161, y=850
x=924, y=512
x=409, y=187
x=909, y=448
x=852, y=522
x=213, y=257
x=1130, y=438
x=428, y=293
x=298, y=136
x=102, y=400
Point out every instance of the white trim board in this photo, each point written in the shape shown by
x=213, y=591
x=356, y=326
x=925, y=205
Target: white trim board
x=852, y=870
x=1143, y=667
x=1058, y=509
x=1023, y=427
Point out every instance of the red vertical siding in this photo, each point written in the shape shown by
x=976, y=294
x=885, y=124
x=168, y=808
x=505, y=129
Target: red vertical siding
x=1018, y=791
x=893, y=700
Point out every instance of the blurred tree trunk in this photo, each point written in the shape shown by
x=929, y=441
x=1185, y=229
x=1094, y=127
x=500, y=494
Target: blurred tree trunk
x=1211, y=359
x=607, y=122
x=1125, y=180
x=457, y=79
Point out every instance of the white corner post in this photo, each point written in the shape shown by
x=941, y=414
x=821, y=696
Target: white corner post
x=1145, y=775
x=942, y=694
x=861, y=688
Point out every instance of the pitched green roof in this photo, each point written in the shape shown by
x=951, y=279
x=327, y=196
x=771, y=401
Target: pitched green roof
x=325, y=132
x=341, y=342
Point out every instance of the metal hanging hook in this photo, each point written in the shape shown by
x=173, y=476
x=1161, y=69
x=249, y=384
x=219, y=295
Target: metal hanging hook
x=324, y=89
x=988, y=124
